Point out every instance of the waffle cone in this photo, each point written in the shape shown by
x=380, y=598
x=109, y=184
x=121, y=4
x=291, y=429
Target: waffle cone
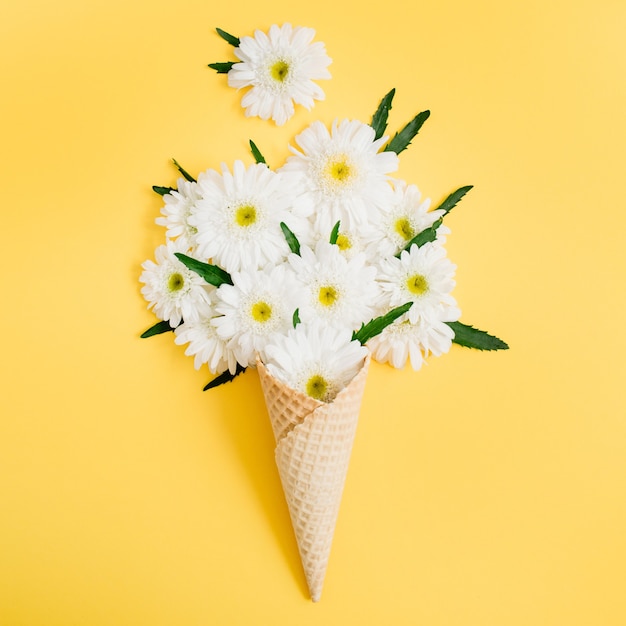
x=313, y=445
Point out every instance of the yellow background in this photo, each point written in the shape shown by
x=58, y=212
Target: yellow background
x=485, y=490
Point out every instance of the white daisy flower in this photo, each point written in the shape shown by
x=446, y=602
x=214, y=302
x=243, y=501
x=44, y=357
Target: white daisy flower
x=280, y=68
x=258, y=305
x=238, y=218
x=315, y=359
x=205, y=345
x=350, y=241
x=342, y=174
x=402, y=341
x=405, y=216
x=424, y=276
x=172, y=290
x=341, y=292
x=176, y=212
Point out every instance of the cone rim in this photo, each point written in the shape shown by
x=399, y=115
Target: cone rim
x=303, y=397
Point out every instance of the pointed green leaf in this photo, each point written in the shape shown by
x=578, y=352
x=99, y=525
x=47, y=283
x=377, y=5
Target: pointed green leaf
x=162, y=191
x=224, y=377
x=430, y=234
x=379, y=119
x=256, y=153
x=453, y=199
x=231, y=39
x=157, y=329
x=402, y=139
x=292, y=240
x=471, y=337
x=222, y=68
x=335, y=233
x=427, y=235
x=296, y=317
x=185, y=174
x=378, y=324
x=213, y=274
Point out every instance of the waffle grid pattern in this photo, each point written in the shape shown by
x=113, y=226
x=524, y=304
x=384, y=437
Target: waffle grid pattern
x=313, y=449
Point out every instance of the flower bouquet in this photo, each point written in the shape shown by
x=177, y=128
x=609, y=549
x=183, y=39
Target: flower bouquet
x=305, y=273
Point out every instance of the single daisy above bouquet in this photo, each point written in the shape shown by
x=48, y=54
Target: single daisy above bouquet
x=278, y=69
x=306, y=273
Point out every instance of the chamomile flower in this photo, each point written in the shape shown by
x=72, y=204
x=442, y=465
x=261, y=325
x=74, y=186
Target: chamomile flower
x=238, y=218
x=205, y=345
x=258, y=305
x=176, y=211
x=280, y=67
x=315, y=359
x=405, y=216
x=422, y=275
x=341, y=173
x=172, y=290
x=340, y=291
x=403, y=340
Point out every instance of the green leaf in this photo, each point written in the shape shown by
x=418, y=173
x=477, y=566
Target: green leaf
x=427, y=235
x=213, y=274
x=185, y=174
x=292, y=240
x=471, y=337
x=231, y=39
x=296, y=317
x=453, y=199
x=335, y=233
x=379, y=119
x=157, y=329
x=224, y=377
x=256, y=153
x=402, y=139
x=162, y=191
x=222, y=68
x=430, y=234
x=378, y=324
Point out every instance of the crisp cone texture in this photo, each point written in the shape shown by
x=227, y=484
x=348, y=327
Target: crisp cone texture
x=313, y=445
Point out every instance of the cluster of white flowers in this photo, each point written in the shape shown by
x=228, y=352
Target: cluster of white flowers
x=297, y=307
x=233, y=220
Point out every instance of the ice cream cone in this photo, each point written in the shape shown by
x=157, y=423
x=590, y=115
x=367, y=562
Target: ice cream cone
x=313, y=445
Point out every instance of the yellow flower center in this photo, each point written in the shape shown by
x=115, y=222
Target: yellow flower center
x=279, y=71
x=327, y=295
x=404, y=229
x=339, y=169
x=261, y=312
x=316, y=387
x=417, y=284
x=343, y=242
x=175, y=282
x=245, y=215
